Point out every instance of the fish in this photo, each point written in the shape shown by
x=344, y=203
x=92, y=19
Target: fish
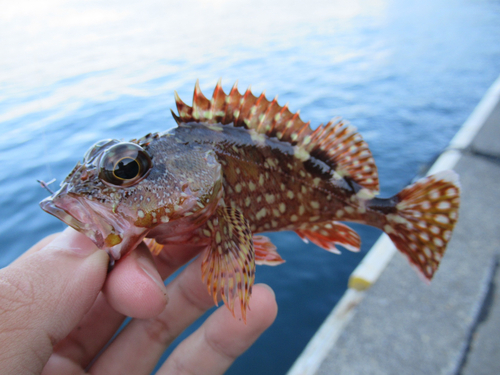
x=237, y=165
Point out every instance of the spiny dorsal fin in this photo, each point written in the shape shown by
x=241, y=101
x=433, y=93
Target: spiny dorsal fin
x=337, y=143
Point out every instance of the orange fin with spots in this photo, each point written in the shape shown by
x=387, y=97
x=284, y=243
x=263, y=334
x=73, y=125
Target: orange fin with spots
x=229, y=263
x=337, y=143
x=265, y=252
x=327, y=235
x=153, y=246
x=426, y=214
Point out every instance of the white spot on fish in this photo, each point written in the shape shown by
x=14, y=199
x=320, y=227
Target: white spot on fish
x=451, y=192
x=269, y=198
x=388, y=229
x=424, y=236
x=443, y=205
x=262, y=213
x=438, y=241
x=442, y=219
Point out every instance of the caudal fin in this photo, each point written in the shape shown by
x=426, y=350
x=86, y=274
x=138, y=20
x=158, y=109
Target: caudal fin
x=426, y=214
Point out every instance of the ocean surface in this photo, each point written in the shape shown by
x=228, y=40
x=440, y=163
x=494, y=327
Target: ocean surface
x=405, y=73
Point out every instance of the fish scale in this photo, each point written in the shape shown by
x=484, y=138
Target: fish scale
x=237, y=165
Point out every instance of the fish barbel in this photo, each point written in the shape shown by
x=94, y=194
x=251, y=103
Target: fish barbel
x=237, y=165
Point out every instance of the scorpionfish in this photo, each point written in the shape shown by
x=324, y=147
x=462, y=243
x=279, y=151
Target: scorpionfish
x=237, y=165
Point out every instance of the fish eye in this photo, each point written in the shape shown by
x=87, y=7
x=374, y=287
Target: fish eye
x=92, y=151
x=124, y=164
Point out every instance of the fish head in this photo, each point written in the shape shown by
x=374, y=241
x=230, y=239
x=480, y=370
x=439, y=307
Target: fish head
x=119, y=193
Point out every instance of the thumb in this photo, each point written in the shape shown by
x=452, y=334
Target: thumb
x=43, y=296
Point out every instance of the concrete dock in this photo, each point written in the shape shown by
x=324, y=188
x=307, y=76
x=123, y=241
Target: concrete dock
x=390, y=322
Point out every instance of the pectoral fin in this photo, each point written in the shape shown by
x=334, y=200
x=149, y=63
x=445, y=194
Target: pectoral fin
x=229, y=263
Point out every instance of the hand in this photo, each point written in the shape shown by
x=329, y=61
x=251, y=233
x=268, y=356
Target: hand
x=58, y=310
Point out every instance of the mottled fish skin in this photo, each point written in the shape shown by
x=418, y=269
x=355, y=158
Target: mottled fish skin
x=238, y=165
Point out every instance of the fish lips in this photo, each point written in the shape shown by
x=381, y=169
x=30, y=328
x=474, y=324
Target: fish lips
x=78, y=214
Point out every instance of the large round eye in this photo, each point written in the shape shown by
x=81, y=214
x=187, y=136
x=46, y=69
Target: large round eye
x=92, y=151
x=124, y=164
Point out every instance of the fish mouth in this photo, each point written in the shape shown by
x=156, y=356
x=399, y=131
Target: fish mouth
x=109, y=231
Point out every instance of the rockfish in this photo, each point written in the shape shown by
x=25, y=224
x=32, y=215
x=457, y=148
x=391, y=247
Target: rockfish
x=237, y=165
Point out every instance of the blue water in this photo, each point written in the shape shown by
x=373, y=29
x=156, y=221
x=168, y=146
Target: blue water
x=406, y=73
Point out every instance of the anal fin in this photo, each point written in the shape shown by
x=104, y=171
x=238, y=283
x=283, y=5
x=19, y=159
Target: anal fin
x=229, y=263
x=327, y=235
x=265, y=252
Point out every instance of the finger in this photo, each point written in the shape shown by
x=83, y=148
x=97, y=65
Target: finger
x=99, y=325
x=172, y=257
x=43, y=297
x=38, y=246
x=139, y=346
x=222, y=338
x=76, y=351
x=135, y=287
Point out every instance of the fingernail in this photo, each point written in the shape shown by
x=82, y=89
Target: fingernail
x=73, y=241
x=149, y=270
x=268, y=288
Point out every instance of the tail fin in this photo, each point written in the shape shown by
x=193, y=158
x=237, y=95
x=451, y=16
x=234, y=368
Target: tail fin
x=426, y=214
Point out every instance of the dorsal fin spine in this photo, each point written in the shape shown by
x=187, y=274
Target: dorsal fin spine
x=218, y=103
x=267, y=122
x=183, y=109
x=337, y=143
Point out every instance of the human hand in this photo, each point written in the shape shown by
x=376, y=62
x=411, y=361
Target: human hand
x=58, y=310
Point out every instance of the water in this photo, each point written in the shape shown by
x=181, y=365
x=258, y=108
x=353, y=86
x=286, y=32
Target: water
x=406, y=73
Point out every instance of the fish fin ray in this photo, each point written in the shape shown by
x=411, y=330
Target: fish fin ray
x=327, y=235
x=337, y=143
x=265, y=252
x=228, y=266
x=154, y=247
x=426, y=215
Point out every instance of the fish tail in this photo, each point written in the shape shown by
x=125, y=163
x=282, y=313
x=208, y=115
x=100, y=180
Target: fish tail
x=423, y=218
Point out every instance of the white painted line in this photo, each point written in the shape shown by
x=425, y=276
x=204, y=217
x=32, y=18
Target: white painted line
x=320, y=345
x=446, y=160
x=372, y=265
x=477, y=118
